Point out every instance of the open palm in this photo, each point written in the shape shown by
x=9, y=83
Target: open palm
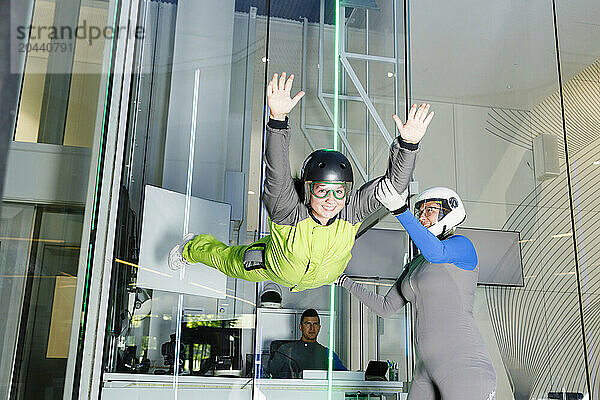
x=416, y=124
x=279, y=99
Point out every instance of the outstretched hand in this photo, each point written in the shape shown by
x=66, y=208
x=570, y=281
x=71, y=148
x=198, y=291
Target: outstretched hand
x=416, y=124
x=279, y=99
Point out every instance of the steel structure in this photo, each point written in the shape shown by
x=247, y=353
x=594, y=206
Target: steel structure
x=343, y=58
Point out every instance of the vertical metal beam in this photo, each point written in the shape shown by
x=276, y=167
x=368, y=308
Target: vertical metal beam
x=574, y=236
x=321, y=40
x=367, y=118
x=247, y=126
x=303, y=85
x=107, y=217
x=143, y=22
x=72, y=375
x=336, y=77
x=320, y=92
x=86, y=350
x=344, y=84
x=396, y=66
x=410, y=344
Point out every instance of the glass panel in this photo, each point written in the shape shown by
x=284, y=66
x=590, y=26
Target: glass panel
x=489, y=72
x=294, y=339
x=578, y=36
x=50, y=297
x=193, y=327
x=62, y=81
x=193, y=138
x=44, y=234
x=373, y=348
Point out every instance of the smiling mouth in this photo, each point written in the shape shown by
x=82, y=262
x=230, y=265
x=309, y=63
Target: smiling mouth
x=328, y=208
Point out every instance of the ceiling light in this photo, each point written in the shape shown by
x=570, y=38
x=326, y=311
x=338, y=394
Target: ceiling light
x=564, y=273
x=596, y=162
x=390, y=74
x=526, y=240
x=251, y=192
x=265, y=59
x=560, y=235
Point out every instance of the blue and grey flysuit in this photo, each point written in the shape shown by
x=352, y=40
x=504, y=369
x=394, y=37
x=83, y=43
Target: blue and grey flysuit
x=452, y=362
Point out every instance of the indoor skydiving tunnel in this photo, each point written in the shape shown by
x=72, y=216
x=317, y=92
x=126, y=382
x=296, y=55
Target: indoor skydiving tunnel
x=191, y=133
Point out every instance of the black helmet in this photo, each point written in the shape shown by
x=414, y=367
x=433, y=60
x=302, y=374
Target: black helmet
x=271, y=296
x=327, y=166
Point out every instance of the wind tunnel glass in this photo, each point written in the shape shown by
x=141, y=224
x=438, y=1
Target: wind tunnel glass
x=321, y=190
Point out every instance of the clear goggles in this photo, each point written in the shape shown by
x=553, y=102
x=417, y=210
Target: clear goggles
x=321, y=189
x=430, y=208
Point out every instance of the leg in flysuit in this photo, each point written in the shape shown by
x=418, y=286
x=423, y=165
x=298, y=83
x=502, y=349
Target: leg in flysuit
x=229, y=260
x=466, y=383
x=422, y=387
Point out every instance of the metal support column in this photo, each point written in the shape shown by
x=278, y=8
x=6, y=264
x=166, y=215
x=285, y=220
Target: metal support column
x=363, y=90
x=322, y=99
x=303, y=85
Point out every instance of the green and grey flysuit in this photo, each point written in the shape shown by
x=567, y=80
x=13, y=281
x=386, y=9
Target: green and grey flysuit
x=299, y=253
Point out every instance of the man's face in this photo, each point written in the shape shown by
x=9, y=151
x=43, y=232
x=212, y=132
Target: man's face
x=429, y=213
x=310, y=328
x=327, y=199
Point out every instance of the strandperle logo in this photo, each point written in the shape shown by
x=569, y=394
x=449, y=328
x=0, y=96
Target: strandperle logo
x=58, y=43
x=83, y=31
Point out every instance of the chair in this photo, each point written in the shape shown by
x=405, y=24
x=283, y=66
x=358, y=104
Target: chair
x=293, y=366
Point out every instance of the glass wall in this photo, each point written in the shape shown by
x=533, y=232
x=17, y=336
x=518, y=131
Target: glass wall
x=51, y=181
x=136, y=141
x=193, y=163
x=580, y=105
x=497, y=104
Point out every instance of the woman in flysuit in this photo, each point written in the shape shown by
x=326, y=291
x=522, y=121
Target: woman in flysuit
x=311, y=233
x=452, y=360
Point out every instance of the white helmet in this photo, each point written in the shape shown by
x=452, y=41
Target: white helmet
x=452, y=211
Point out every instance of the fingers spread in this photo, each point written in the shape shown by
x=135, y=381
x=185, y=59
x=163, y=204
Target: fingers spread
x=428, y=119
x=413, y=110
x=398, y=121
x=282, y=81
x=288, y=84
x=297, y=98
x=419, y=113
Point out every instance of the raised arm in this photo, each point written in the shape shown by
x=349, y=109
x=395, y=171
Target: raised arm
x=384, y=306
x=457, y=250
x=401, y=162
x=279, y=195
x=403, y=150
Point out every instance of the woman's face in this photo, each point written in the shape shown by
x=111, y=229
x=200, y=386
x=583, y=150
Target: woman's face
x=429, y=213
x=327, y=200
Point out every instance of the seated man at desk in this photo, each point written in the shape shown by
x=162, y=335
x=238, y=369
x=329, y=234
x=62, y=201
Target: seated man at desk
x=289, y=359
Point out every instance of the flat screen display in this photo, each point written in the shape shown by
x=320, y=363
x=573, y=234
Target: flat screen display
x=498, y=254
x=381, y=253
